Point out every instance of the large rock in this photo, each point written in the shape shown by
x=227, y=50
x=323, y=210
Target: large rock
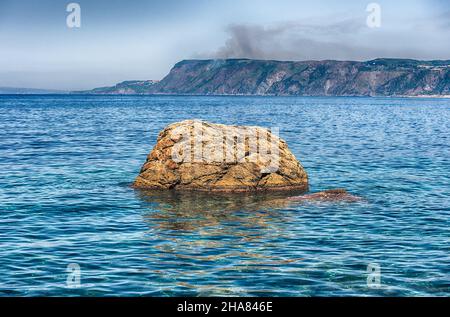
x=196, y=155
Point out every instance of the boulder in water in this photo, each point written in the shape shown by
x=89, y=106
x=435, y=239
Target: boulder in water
x=197, y=155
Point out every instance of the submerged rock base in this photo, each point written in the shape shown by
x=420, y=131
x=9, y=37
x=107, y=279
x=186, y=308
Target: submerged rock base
x=333, y=195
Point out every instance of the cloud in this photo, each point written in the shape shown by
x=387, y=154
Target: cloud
x=293, y=41
x=348, y=39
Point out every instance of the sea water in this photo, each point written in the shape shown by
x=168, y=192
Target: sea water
x=70, y=225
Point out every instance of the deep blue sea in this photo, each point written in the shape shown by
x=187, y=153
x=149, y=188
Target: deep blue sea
x=66, y=163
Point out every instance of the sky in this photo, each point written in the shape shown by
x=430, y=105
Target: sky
x=138, y=40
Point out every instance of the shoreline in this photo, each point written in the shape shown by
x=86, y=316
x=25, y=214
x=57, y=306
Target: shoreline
x=229, y=95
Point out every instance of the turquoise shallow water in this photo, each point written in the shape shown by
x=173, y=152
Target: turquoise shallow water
x=66, y=163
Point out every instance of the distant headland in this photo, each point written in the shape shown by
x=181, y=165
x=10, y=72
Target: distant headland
x=379, y=77
x=29, y=91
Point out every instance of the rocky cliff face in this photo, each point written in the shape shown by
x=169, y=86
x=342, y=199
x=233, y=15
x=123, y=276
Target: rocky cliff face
x=381, y=77
x=196, y=155
x=326, y=78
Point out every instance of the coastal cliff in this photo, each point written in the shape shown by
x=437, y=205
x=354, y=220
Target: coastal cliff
x=380, y=77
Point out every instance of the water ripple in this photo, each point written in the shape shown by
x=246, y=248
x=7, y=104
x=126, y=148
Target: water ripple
x=66, y=163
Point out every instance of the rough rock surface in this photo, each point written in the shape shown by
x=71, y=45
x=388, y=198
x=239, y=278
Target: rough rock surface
x=333, y=195
x=196, y=155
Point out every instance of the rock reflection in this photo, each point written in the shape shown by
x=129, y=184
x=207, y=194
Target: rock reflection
x=194, y=211
x=206, y=243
